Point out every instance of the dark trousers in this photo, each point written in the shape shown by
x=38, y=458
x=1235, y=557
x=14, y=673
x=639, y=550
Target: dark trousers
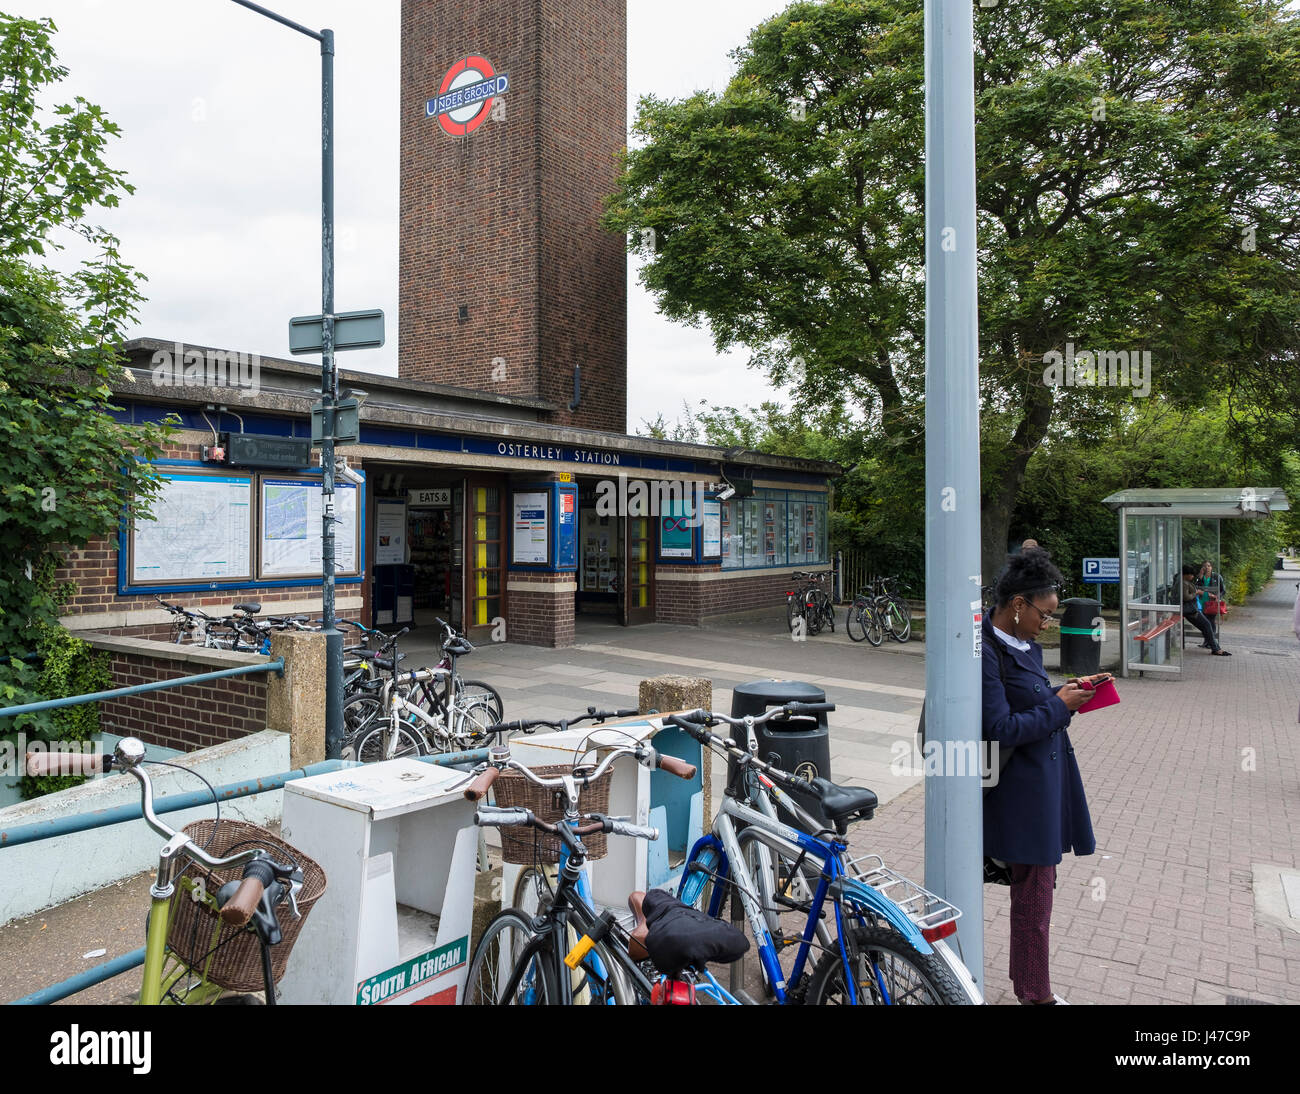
x=1197, y=619
x=1031, y=915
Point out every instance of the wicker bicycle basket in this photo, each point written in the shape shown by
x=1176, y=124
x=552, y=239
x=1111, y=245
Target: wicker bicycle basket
x=527, y=846
x=195, y=931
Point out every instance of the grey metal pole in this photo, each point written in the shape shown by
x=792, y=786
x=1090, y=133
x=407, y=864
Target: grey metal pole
x=954, y=837
x=329, y=397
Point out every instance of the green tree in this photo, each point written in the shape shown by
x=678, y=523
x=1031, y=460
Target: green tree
x=68, y=463
x=1137, y=162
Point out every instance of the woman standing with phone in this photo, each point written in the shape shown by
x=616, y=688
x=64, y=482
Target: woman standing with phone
x=1037, y=811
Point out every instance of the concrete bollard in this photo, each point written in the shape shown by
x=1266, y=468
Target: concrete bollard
x=670, y=694
x=295, y=702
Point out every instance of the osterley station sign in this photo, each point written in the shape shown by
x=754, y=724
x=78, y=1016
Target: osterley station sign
x=466, y=95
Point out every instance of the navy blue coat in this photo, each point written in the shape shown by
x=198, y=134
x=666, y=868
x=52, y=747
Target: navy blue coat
x=1037, y=811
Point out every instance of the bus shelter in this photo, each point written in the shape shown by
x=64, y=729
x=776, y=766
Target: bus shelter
x=1158, y=531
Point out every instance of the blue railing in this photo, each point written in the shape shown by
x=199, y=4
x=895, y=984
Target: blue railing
x=137, y=689
x=100, y=818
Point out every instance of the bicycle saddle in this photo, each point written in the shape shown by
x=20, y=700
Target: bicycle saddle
x=251, y=608
x=458, y=645
x=676, y=936
x=843, y=804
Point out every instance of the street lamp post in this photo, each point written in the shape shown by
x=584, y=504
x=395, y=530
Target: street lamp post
x=329, y=383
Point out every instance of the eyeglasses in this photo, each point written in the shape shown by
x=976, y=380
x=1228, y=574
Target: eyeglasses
x=1047, y=617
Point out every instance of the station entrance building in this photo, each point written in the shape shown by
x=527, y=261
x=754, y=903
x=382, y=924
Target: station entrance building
x=496, y=486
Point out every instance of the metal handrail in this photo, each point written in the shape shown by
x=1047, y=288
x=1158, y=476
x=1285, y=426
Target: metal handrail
x=136, y=689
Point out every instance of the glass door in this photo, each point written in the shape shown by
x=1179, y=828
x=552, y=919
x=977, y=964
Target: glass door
x=1153, y=612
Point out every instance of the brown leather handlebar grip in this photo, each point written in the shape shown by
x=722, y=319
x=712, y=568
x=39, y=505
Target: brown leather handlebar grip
x=479, y=787
x=674, y=765
x=240, y=908
x=64, y=763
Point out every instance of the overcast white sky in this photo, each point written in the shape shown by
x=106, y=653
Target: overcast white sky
x=219, y=110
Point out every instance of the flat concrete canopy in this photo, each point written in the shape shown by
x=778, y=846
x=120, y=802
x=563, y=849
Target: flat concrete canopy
x=1221, y=502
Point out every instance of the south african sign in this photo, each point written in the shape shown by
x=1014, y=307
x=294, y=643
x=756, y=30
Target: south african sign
x=466, y=95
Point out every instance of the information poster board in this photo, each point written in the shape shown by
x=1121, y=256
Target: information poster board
x=676, y=534
x=291, y=528
x=390, y=533
x=200, y=532
x=566, y=546
x=530, y=527
x=712, y=546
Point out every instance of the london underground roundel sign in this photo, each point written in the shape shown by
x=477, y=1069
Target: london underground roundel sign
x=466, y=95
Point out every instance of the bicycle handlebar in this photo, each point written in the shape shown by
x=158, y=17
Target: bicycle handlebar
x=481, y=785
x=488, y=816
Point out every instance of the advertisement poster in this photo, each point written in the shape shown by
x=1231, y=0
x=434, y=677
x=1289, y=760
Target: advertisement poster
x=530, y=527
x=712, y=528
x=390, y=533
x=675, y=531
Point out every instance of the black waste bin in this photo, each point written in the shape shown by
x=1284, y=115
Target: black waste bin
x=1081, y=636
x=801, y=746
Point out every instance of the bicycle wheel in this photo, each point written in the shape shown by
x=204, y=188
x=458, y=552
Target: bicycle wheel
x=477, y=691
x=889, y=972
x=854, y=623
x=871, y=621
x=793, y=610
x=495, y=966
x=359, y=714
x=598, y=980
x=827, y=610
x=375, y=746
x=470, y=721
x=812, y=612
x=898, y=617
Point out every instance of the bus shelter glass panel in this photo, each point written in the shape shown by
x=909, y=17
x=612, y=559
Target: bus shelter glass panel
x=1201, y=546
x=1154, y=612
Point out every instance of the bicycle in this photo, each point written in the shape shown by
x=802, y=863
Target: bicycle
x=895, y=612
x=810, y=602
x=862, y=620
x=531, y=959
x=766, y=867
x=202, y=942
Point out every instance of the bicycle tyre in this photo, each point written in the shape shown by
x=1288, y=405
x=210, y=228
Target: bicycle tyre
x=812, y=612
x=828, y=610
x=494, y=964
x=476, y=690
x=533, y=893
x=899, y=618
x=360, y=712
x=914, y=979
x=854, y=616
x=370, y=748
x=793, y=610
x=872, y=622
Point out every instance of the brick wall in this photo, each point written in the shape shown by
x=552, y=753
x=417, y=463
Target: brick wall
x=540, y=609
x=505, y=221
x=186, y=718
x=692, y=601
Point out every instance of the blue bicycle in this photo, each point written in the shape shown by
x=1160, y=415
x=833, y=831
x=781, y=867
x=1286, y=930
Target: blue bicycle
x=876, y=950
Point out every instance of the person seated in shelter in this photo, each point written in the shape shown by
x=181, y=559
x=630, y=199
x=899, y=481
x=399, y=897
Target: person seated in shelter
x=1192, y=613
x=1211, y=584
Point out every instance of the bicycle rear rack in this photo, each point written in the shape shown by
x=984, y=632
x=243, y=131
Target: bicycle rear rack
x=924, y=908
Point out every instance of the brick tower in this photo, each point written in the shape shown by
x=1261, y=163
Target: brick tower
x=507, y=281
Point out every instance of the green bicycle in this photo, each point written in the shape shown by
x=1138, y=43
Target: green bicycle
x=214, y=932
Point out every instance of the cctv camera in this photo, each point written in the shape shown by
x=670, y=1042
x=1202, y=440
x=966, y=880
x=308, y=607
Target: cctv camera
x=726, y=492
x=347, y=474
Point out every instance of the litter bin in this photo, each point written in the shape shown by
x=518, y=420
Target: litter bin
x=1081, y=636
x=801, y=747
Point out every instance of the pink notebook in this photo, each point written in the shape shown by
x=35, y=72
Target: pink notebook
x=1105, y=696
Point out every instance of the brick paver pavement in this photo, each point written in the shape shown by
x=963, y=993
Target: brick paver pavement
x=1191, y=781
